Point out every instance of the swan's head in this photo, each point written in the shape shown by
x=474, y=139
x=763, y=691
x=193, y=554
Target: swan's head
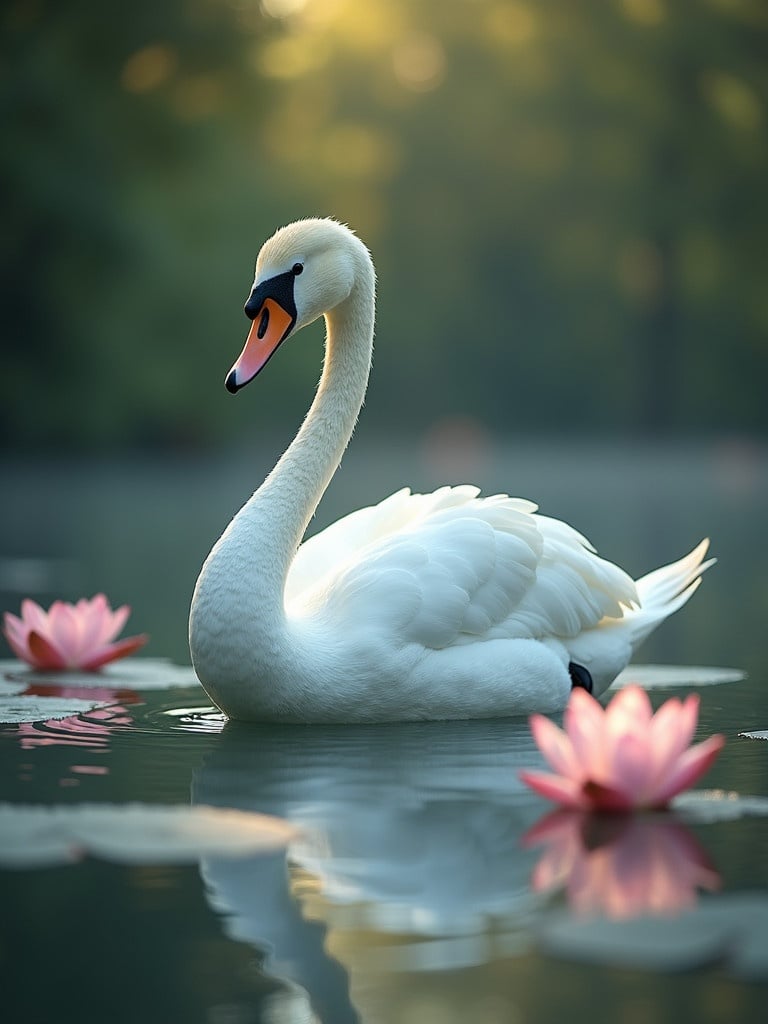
x=303, y=271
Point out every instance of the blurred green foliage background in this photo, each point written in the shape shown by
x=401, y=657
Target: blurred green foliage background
x=566, y=203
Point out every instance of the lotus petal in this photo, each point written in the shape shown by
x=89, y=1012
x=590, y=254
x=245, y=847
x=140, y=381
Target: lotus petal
x=69, y=636
x=623, y=756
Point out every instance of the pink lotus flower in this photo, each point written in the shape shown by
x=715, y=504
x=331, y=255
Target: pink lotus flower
x=621, y=757
x=70, y=636
x=620, y=866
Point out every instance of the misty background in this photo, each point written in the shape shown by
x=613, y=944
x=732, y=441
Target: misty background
x=566, y=204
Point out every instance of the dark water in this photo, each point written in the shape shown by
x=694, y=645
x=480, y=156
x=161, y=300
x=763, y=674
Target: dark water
x=410, y=895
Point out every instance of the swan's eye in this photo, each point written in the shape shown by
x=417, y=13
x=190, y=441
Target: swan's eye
x=297, y=268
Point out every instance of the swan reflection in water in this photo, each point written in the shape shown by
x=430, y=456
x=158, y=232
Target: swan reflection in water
x=409, y=845
x=418, y=852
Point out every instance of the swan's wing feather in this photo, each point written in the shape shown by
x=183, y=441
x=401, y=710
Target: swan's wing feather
x=332, y=547
x=612, y=586
x=450, y=568
x=575, y=589
x=431, y=584
x=472, y=578
x=345, y=540
x=461, y=565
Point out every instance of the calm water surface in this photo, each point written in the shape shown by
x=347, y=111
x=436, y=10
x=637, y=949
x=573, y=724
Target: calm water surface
x=410, y=896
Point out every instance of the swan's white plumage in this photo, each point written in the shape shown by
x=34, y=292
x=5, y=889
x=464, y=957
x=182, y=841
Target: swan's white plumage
x=477, y=568
x=441, y=605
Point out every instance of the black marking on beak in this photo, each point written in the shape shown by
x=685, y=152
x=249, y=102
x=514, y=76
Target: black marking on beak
x=272, y=309
x=279, y=288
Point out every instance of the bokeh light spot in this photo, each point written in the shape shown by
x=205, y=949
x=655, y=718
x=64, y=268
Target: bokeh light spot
x=292, y=56
x=418, y=61
x=148, y=68
x=644, y=12
x=733, y=99
x=510, y=25
x=356, y=151
x=282, y=8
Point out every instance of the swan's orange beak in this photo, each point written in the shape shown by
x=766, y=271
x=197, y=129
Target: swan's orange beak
x=269, y=328
x=272, y=309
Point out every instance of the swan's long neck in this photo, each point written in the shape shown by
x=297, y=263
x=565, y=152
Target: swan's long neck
x=243, y=580
x=279, y=512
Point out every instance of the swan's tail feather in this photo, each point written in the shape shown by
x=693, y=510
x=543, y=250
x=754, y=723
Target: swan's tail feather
x=665, y=590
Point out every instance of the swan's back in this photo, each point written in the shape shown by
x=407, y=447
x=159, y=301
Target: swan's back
x=453, y=568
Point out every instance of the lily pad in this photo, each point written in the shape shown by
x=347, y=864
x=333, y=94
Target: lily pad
x=27, y=708
x=133, y=834
x=732, y=929
x=707, y=806
x=9, y=687
x=662, y=677
x=132, y=674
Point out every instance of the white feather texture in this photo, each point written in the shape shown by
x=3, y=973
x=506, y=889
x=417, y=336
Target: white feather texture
x=442, y=605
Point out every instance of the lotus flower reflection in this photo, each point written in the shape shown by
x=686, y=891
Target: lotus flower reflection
x=70, y=636
x=621, y=757
x=620, y=866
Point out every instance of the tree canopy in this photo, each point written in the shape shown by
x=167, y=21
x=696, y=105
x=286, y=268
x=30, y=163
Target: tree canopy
x=566, y=203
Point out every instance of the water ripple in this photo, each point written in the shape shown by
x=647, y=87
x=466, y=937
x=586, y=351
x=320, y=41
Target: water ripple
x=92, y=730
x=205, y=719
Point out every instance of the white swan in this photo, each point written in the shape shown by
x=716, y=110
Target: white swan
x=443, y=605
